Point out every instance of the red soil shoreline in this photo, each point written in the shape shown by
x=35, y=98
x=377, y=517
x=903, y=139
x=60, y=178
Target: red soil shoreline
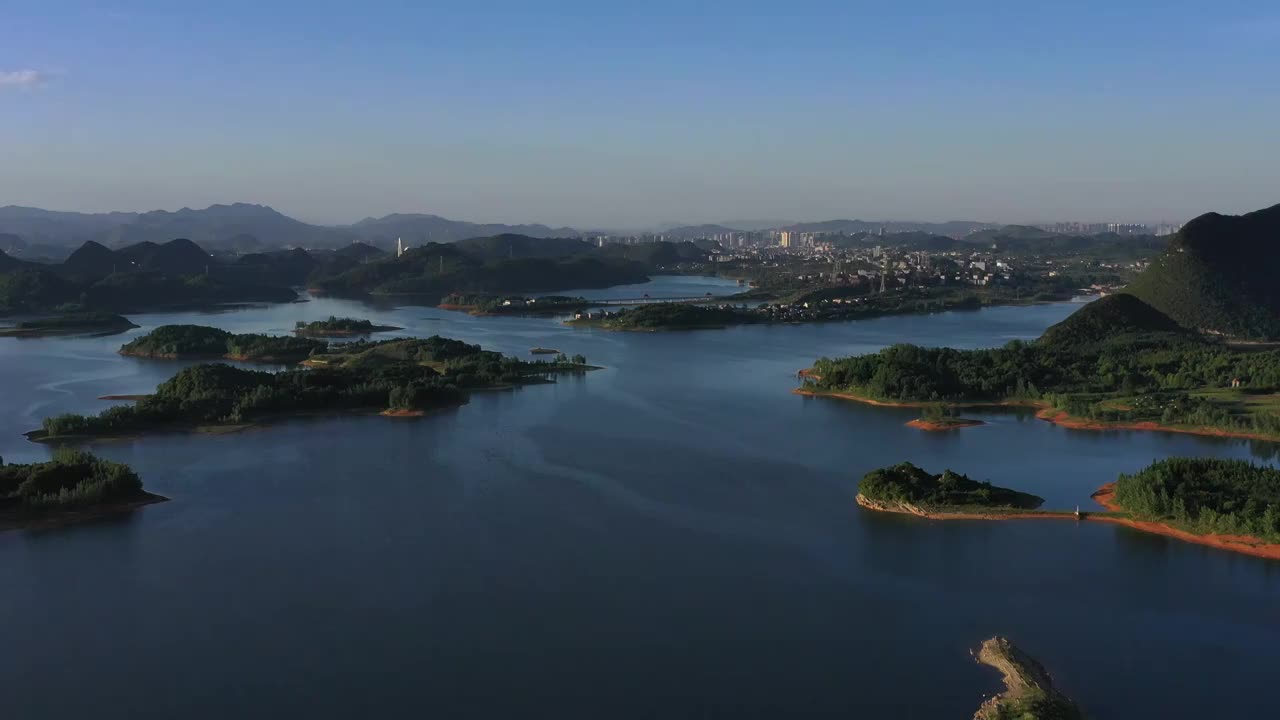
x=1050, y=414
x=943, y=425
x=1104, y=496
x=1248, y=545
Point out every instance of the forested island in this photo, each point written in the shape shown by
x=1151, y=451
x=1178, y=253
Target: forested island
x=1116, y=363
x=487, y=304
x=937, y=417
x=86, y=323
x=1029, y=692
x=41, y=290
x=336, y=327
x=1228, y=504
x=396, y=377
x=908, y=489
x=664, y=316
x=74, y=485
x=177, y=342
x=436, y=270
x=834, y=304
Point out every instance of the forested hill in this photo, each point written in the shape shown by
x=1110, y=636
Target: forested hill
x=508, y=264
x=1219, y=275
x=1106, y=318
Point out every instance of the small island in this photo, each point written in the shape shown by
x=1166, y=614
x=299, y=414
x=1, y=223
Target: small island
x=182, y=342
x=393, y=377
x=336, y=327
x=905, y=488
x=937, y=417
x=485, y=304
x=543, y=351
x=71, y=487
x=1228, y=504
x=1029, y=691
x=85, y=323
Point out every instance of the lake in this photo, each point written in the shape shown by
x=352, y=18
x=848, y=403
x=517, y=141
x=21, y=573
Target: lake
x=673, y=536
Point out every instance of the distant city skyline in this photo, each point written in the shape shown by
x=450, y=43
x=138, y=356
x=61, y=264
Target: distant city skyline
x=577, y=114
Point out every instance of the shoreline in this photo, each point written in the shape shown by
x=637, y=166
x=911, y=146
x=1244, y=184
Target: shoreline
x=943, y=425
x=1112, y=513
x=71, y=517
x=265, y=359
x=84, y=330
x=1045, y=412
x=40, y=436
x=302, y=332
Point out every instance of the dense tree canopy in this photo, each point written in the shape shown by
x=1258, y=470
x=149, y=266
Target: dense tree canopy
x=411, y=374
x=72, y=479
x=196, y=341
x=906, y=483
x=1140, y=371
x=1206, y=495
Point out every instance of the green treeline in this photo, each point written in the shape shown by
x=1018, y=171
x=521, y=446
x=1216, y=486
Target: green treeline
x=340, y=326
x=73, y=479
x=177, y=341
x=416, y=374
x=76, y=321
x=514, y=304
x=31, y=290
x=676, y=316
x=1138, y=370
x=436, y=269
x=1204, y=495
x=906, y=483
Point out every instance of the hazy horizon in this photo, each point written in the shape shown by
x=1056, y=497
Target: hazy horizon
x=572, y=114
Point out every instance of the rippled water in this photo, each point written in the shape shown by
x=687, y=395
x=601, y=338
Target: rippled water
x=672, y=536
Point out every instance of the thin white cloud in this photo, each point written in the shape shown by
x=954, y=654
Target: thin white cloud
x=22, y=78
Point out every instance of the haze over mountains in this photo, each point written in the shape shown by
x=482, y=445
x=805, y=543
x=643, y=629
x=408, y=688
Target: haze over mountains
x=240, y=227
x=245, y=227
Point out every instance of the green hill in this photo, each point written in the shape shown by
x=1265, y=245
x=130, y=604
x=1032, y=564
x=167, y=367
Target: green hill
x=438, y=269
x=1219, y=276
x=1106, y=318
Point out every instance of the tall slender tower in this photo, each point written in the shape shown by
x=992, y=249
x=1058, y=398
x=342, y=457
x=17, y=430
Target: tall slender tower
x=399, y=247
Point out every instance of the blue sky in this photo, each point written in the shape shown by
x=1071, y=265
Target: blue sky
x=627, y=114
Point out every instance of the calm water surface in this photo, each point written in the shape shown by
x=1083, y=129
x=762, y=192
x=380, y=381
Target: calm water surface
x=673, y=536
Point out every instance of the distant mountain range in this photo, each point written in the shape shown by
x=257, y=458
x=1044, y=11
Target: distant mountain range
x=239, y=228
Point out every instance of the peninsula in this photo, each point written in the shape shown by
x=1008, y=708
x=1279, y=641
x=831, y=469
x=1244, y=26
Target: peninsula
x=71, y=487
x=1029, y=691
x=1228, y=504
x=183, y=342
x=665, y=316
x=1117, y=363
x=336, y=327
x=395, y=377
x=88, y=323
